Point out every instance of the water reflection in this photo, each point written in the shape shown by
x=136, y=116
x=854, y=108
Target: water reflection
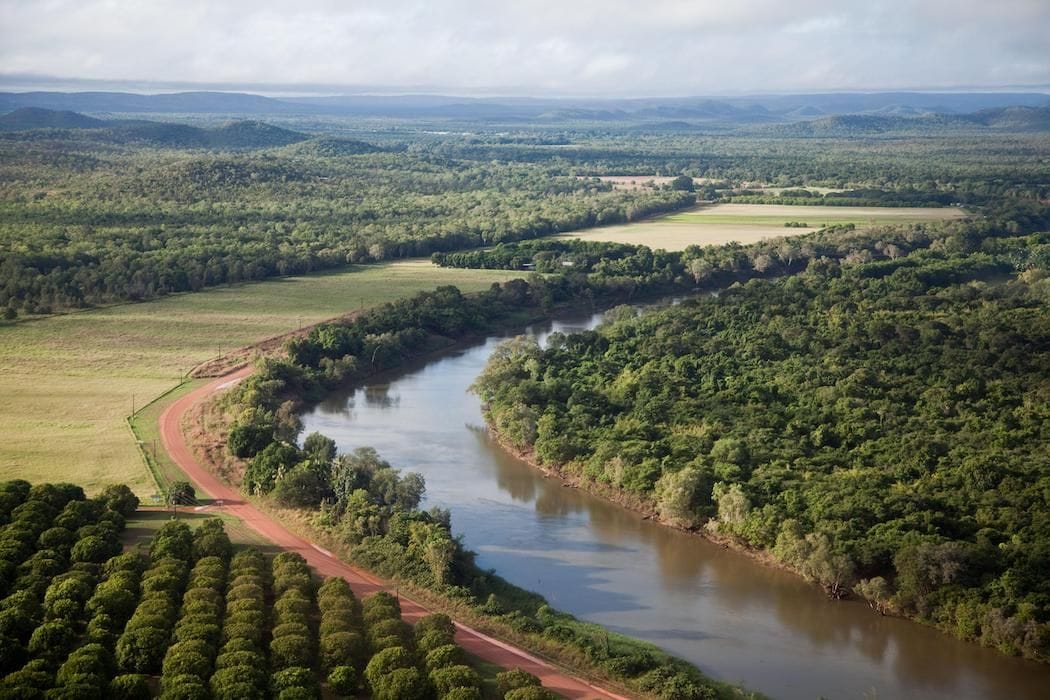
x=737, y=620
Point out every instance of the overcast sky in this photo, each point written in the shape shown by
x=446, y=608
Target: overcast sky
x=579, y=47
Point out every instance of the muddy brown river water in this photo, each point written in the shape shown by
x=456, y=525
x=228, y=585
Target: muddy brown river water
x=735, y=619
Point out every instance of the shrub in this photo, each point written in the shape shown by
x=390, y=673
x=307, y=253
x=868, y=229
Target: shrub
x=507, y=681
x=226, y=680
x=118, y=603
x=123, y=562
x=213, y=544
x=119, y=498
x=444, y=657
x=289, y=651
x=292, y=677
x=332, y=624
x=401, y=684
x=431, y=640
x=12, y=654
x=463, y=694
x=378, y=613
x=530, y=693
x=130, y=686
x=387, y=642
x=187, y=631
x=299, y=693
x=436, y=622
x=192, y=657
x=184, y=687
x=59, y=538
x=243, y=591
x=292, y=603
x=255, y=619
x=391, y=628
x=343, y=680
x=343, y=649
x=52, y=640
x=90, y=659
x=240, y=657
x=298, y=629
x=253, y=604
x=385, y=661
x=242, y=630
x=139, y=650
x=445, y=679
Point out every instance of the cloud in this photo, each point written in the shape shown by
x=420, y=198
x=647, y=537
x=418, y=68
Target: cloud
x=657, y=47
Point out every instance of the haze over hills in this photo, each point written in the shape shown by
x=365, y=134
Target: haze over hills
x=761, y=109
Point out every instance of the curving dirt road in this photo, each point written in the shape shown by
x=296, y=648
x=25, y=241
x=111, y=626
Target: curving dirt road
x=363, y=583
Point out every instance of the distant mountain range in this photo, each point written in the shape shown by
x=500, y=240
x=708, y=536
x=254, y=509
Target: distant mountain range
x=765, y=109
x=670, y=115
x=236, y=134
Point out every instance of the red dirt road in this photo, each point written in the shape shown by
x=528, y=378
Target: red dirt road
x=363, y=583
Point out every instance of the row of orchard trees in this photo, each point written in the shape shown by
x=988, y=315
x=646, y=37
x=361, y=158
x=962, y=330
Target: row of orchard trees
x=62, y=579
x=80, y=619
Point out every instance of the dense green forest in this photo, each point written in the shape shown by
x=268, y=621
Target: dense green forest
x=132, y=210
x=880, y=424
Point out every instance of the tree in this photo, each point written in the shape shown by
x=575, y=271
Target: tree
x=129, y=687
x=181, y=493
x=683, y=183
x=445, y=679
x=679, y=494
x=119, y=498
x=319, y=447
x=876, y=591
x=343, y=680
x=507, y=681
x=400, y=684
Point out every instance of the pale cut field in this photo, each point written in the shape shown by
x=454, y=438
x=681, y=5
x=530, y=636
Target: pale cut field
x=749, y=223
x=67, y=382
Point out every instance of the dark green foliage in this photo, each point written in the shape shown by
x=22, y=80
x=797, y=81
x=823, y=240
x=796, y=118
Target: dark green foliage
x=52, y=640
x=463, y=694
x=119, y=498
x=343, y=680
x=141, y=231
x=509, y=680
x=400, y=684
x=792, y=413
x=449, y=677
x=94, y=549
x=444, y=657
x=530, y=693
x=296, y=681
x=129, y=687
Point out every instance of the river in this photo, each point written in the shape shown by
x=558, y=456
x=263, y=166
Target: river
x=735, y=619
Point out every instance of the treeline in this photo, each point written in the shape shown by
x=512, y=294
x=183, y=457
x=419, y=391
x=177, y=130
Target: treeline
x=877, y=422
x=82, y=226
x=542, y=256
x=869, y=197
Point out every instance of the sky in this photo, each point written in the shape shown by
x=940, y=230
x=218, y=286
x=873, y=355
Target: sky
x=528, y=47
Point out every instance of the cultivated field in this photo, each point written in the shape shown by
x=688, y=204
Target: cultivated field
x=747, y=223
x=68, y=381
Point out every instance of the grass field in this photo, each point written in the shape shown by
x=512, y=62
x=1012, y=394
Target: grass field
x=143, y=525
x=748, y=223
x=67, y=382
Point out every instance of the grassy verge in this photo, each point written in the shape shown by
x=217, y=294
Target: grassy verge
x=69, y=381
x=144, y=524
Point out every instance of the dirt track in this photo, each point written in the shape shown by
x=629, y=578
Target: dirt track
x=324, y=563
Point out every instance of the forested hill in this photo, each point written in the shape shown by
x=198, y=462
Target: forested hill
x=882, y=427
x=235, y=134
